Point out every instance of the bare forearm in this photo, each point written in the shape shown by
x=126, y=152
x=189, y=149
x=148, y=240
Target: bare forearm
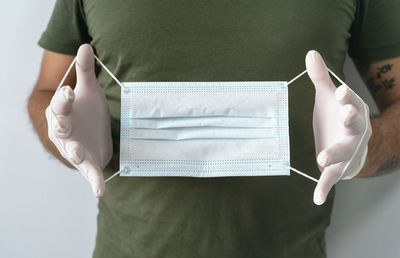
x=383, y=80
x=383, y=147
x=37, y=104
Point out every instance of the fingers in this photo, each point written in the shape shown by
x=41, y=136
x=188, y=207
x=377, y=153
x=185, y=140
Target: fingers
x=344, y=95
x=85, y=73
x=334, y=154
x=76, y=154
x=61, y=126
x=318, y=71
x=58, y=125
x=352, y=120
x=328, y=178
x=61, y=103
x=95, y=177
x=342, y=151
x=352, y=173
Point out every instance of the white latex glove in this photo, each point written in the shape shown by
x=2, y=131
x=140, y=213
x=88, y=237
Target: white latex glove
x=79, y=122
x=341, y=128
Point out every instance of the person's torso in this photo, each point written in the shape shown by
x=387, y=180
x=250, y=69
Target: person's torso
x=147, y=40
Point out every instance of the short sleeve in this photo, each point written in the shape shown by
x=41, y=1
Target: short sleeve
x=375, y=34
x=67, y=28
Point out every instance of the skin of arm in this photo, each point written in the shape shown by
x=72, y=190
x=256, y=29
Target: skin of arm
x=383, y=81
x=52, y=70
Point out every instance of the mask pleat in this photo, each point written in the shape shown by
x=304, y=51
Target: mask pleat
x=187, y=133
x=217, y=121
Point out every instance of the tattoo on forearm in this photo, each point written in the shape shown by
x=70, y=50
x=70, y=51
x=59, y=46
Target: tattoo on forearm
x=383, y=69
x=372, y=87
x=388, y=166
x=381, y=81
x=385, y=84
x=388, y=83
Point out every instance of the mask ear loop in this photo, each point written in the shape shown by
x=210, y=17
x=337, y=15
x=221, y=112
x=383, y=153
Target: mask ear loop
x=122, y=86
x=366, y=113
x=58, y=88
x=288, y=166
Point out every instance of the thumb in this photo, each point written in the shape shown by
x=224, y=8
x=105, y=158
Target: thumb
x=328, y=178
x=318, y=71
x=95, y=177
x=85, y=73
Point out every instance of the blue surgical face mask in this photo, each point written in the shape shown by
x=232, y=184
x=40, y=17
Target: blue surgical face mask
x=204, y=129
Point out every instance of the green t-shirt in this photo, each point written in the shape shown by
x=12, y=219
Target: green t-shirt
x=204, y=40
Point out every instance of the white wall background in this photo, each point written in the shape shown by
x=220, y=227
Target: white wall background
x=47, y=210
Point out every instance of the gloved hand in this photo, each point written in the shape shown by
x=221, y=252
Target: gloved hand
x=79, y=122
x=341, y=128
